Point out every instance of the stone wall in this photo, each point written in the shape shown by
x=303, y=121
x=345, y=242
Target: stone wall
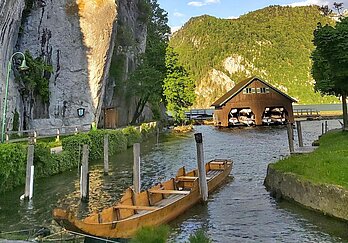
x=328, y=199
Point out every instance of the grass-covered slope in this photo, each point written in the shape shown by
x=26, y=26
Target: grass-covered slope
x=328, y=164
x=274, y=43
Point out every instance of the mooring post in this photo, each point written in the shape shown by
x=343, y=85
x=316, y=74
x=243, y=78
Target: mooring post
x=84, y=182
x=203, y=186
x=290, y=137
x=326, y=127
x=29, y=178
x=136, y=168
x=299, y=133
x=106, y=154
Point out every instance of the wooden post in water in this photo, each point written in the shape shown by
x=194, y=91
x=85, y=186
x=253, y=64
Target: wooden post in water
x=106, y=154
x=136, y=168
x=299, y=133
x=84, y=182
x=203, y=186
x=29, y=178
x=290, y=137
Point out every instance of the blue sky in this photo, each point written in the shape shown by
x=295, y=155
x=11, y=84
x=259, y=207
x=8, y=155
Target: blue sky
x=180, y=11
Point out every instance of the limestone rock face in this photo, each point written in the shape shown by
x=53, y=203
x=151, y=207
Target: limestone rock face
x=76, y=38
x=80, y=39
x=217, y=79
x=10, y=21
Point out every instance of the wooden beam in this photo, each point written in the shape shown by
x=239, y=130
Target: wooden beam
x=190, y=178
x=148, y=208
x=169, y=191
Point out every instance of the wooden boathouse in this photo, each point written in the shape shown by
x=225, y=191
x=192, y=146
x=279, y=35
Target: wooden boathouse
x=254, y=100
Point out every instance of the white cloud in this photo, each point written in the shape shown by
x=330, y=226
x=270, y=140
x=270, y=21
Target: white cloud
x=232, y=17
x=309, y=2
x=203, y=3
x=196, y=4
x=177, y=14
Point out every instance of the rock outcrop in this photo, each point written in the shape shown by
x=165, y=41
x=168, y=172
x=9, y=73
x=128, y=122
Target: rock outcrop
x=79, y=39
x=10, y=22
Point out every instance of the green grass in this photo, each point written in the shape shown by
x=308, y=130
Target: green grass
x=328, y=164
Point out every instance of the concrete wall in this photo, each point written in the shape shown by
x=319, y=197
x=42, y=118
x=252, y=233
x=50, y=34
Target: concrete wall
x=328, y=199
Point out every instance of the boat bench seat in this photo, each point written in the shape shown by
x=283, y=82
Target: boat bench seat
x=189, y=178
x=168, y=191
x=134, y=207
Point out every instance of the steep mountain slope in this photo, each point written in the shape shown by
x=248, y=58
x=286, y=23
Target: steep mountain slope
x=274, y=43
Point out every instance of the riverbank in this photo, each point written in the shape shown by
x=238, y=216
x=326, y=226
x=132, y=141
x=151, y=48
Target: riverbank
x=318, y=180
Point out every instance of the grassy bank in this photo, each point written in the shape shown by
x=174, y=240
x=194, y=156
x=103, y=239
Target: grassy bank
x=328, y=164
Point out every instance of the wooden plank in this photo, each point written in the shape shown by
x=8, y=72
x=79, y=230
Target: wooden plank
x=189, y=178
x=148, y=208
x=169, y=191
x=217, y=162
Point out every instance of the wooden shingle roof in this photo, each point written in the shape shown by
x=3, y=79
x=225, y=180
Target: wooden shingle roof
x=240, y=86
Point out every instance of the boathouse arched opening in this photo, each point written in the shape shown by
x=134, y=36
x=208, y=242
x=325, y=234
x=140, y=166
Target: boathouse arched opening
x=241, y=116
x=275, y=115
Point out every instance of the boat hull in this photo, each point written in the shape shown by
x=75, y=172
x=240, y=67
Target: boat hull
x=126, y=228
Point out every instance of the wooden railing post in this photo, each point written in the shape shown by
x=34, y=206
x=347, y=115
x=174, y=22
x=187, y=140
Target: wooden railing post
x=203, y=186
x=58, y=135
x=136, y=168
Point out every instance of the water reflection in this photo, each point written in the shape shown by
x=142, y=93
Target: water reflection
x=240, y=211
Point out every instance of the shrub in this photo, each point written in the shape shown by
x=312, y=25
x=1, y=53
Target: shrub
x=151, y=235
x=132, y=134
x=13, y=166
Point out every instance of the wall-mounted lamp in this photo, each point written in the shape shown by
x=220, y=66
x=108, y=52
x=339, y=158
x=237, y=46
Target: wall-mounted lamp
x=81, y=112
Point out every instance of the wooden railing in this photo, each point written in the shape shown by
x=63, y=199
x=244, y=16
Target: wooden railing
x=34, y=134
x=306, y=113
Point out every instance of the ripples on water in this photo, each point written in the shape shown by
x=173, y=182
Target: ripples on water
x=240, y=211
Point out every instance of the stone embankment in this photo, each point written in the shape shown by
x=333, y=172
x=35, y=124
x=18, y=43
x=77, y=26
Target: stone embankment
x=329, y=199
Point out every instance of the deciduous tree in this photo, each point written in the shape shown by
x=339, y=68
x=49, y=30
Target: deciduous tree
x=330, y=62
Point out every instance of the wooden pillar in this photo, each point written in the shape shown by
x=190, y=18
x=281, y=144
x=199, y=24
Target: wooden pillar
x=106, y=154
x=29, y=178
x=290, y=137
x=203, y=186
x=299, y=133
x=84, y=186
x=136, y=168
x=322, y=128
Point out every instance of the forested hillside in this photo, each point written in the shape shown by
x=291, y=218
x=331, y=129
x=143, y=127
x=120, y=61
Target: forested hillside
x=274, y=43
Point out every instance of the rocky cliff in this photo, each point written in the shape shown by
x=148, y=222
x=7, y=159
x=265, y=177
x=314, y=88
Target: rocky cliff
x=78, y=38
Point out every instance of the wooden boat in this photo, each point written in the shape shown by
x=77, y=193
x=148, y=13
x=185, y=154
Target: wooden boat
x=157, y=205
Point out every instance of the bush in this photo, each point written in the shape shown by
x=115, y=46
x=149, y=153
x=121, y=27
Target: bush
x=151, y=235
x=199, y=237
x=132, y=134
x=13, y=166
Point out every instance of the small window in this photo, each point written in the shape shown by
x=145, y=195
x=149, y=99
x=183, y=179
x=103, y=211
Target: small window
x=264, y=90
x=253, y=90
x=258, y=90
x=248, y=90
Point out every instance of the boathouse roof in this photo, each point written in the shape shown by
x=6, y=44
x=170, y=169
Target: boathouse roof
x=240, y=86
